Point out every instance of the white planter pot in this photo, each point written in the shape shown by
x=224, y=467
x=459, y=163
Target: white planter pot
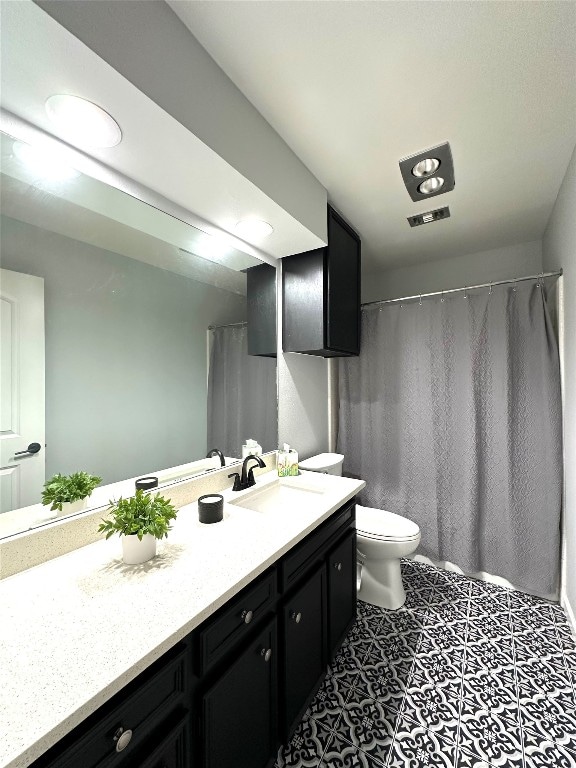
x=71, y=507
x=135, y=551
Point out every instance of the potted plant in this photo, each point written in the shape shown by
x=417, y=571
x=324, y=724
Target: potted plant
x=69, y=493
x=139, y=520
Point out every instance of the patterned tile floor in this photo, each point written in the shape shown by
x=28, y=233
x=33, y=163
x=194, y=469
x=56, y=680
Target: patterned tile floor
x=465, y=675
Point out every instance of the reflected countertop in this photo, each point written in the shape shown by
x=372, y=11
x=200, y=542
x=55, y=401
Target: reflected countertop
x=77, y=629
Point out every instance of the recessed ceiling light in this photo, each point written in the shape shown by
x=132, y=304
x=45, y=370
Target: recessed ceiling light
x=253, y=229
x=431, y=185
x=44, y=163
x=426, y=167
x=82, y=122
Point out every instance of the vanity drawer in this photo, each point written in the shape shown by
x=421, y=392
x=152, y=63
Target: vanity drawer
x=140, y=708
x=235, y=621
x=307, y=554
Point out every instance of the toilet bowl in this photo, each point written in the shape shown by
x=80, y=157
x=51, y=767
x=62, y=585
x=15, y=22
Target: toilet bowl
x=382, y=538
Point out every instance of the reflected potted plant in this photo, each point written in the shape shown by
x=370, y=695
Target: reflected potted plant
x=139, y=520
x=69, y=493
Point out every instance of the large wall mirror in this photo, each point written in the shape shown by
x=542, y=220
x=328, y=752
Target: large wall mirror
x=131, y=326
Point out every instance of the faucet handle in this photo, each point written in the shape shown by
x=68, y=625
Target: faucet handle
x=237, y=484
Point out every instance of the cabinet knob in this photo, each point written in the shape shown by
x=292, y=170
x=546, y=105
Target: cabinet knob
x=297, y=617
x=122, y=739
x=247, y=616
x=266, y=653
x=338, y=566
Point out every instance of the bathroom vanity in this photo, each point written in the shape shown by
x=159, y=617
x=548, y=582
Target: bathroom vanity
x=206, y=657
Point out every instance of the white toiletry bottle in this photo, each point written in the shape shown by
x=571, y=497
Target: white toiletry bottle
x=251, y=448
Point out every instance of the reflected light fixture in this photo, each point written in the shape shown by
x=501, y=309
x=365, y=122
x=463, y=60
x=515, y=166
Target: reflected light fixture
x=253, y=229
x=428, y=173
x=43, y=162
x=82, y=122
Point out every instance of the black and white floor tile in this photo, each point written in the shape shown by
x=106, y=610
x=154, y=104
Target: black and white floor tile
x=465, y=675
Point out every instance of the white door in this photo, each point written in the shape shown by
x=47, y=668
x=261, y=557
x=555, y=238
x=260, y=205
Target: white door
x=21, y=389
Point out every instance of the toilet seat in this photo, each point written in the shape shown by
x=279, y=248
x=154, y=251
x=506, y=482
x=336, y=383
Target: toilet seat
x=380, y=525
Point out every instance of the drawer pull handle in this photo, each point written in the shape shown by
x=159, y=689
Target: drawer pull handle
x=247, y=616
x=297, y=617
x=122, y=739
x=266, y=653
x=338, y=566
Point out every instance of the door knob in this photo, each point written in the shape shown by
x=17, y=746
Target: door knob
x=247, y=616
x=31, y=450
x=338, y=566
x=266, y=653
x=297, y=617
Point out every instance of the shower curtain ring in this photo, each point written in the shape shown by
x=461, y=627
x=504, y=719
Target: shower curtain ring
x=465, y=293
x=420, y=302
x=540, y=279
x=490, y=291
x=442, y=297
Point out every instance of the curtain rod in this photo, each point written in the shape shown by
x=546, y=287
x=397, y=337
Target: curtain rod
x=228, y=325
x=541, y=276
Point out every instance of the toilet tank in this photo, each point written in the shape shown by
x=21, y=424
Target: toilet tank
x=328, y=463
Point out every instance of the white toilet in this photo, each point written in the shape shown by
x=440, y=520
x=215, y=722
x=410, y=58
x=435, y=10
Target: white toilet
x=382, y=539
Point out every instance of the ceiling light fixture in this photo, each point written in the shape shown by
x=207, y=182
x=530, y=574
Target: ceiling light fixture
x=253, y=229
x=426, y=167
x=421, y=172
x=44, y=163
x=431, y=185
x=82, y=122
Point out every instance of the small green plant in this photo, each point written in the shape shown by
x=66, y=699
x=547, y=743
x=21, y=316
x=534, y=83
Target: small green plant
x=63, y=488
x=138, y=515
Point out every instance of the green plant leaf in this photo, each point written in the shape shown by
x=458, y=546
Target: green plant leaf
x=67, y=488
x=139, y=515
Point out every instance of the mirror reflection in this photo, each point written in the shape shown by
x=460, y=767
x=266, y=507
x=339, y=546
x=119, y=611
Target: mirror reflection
x=123, y=338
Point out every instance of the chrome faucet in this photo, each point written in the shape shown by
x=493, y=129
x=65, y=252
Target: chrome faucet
x=216, y=452
x=247, y=479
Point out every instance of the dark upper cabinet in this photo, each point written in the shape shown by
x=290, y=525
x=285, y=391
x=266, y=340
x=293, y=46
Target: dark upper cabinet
x=261, y=310
x=321, y=295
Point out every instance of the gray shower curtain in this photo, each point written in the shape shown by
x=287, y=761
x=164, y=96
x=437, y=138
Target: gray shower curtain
x=242, y=394
x=452, y=415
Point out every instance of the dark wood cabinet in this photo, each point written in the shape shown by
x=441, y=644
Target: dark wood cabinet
x=239, y=710
x=341, y=604
x=303, y=647
x=261, y=310
x=321, y=295
x=232, y=691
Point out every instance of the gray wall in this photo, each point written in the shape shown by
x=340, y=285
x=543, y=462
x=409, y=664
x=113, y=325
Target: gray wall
x=125, y=355
x=559, y=250
x=470, y=269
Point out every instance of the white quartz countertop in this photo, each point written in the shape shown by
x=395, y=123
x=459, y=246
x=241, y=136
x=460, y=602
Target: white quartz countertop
x=75, y=630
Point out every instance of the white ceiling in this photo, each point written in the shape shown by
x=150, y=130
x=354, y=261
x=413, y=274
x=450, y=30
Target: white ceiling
x=353, y=87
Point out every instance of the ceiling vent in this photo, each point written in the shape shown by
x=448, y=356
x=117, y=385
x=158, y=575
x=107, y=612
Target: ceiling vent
x=428, y=173
x=429, y=217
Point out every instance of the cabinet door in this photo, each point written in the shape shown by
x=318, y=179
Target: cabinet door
x=343, y=287
x=239, y=710
x=304, y=647
x=173, y=751
x=341, y=590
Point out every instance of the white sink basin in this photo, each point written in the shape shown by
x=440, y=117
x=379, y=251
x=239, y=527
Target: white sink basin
x=287, y=494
